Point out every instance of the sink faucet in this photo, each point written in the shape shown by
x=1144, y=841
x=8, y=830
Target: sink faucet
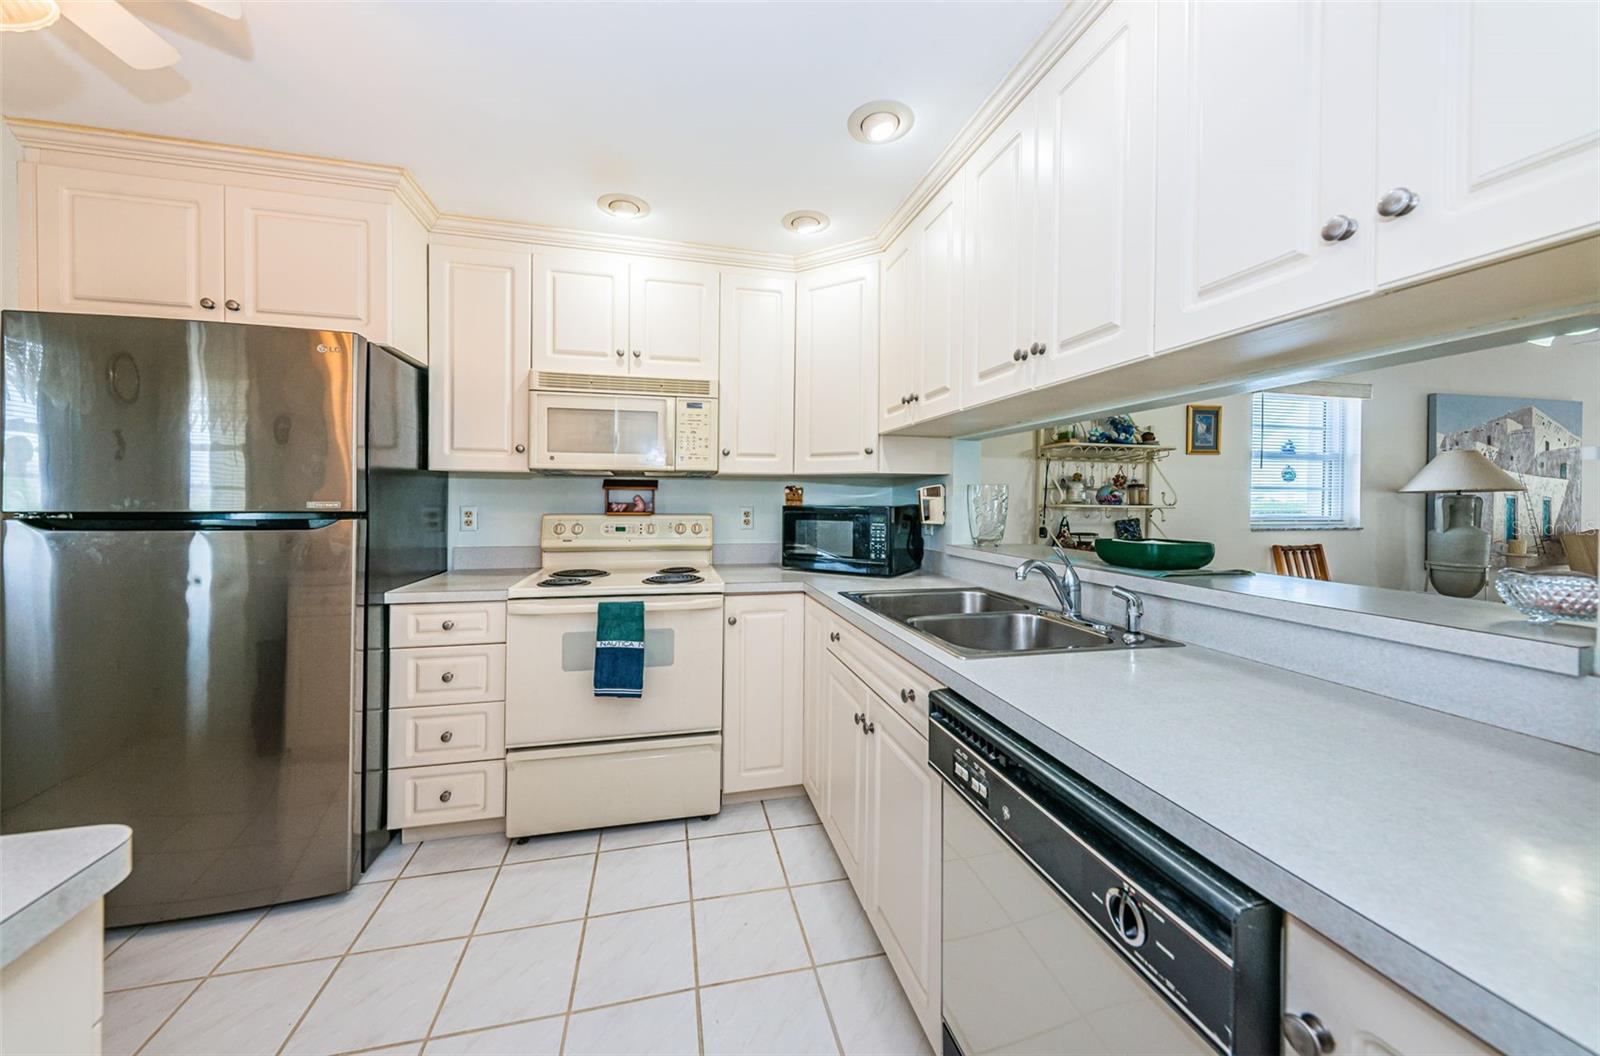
x=1067, y=586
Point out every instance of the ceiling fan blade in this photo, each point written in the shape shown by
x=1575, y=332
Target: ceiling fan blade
x=233, y=9
x=114, y=29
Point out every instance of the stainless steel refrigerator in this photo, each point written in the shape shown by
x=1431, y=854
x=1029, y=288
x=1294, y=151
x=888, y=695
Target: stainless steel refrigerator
x=199, y=522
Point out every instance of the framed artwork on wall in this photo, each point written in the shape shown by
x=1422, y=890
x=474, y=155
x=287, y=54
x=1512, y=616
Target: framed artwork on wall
x=630, y=498
x=1204, y=435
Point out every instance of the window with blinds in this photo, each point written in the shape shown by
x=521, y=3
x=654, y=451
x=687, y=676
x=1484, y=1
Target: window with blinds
x=1305, y=461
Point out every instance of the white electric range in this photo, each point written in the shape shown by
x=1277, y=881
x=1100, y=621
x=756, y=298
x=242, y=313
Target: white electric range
x=578, y=761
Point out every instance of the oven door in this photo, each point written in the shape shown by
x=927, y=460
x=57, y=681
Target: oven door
x=550, y=671
x=1024, y=972
x=575, y=431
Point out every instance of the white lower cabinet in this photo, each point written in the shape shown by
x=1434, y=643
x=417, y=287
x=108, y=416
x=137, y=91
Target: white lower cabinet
x=762, y=691
x=1346, y=1007
x=50, y=996
x=879, y=801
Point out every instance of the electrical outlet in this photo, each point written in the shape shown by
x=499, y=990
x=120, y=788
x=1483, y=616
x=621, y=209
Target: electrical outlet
x=469, y=518
x=747, y=517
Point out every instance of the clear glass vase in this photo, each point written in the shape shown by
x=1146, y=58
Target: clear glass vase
x=986, y=512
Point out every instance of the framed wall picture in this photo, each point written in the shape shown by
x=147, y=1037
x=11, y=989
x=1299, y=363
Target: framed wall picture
x=630, y=498
x=1205, y=430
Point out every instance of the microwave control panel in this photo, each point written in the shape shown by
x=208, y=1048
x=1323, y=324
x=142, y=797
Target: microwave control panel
x=696, y=443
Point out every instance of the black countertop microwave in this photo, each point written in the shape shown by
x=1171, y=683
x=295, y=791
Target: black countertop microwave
x=859, y=540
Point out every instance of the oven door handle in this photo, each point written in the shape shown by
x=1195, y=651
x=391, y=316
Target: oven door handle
x=578, y=606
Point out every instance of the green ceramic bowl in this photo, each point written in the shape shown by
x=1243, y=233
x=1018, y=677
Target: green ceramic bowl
x=1155, y=555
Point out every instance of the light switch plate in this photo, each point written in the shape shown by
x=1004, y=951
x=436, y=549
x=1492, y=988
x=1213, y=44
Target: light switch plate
x=469, y=518
x=747, y=517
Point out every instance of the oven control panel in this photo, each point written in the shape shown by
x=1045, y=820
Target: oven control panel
x=653, y=531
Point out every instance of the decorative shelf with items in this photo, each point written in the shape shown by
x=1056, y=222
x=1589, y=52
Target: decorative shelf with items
x=1098, y=470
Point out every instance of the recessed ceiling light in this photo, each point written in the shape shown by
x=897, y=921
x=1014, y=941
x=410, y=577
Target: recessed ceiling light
x=20, y=16
x=624, y=206
x=883, y=121
x=805, y=221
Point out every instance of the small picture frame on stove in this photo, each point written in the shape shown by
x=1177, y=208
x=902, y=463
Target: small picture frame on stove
x=630, y=498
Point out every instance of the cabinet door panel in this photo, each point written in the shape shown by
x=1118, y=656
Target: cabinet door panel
x=899, y=349
x=1489, y=112
x=756, y=379
x=116, y=244
x=673, y=319
x=816, y=650
x=1097, y=197
x=580, y=312
x=478, y=337
x=937, y=380
x=1266, y=120
x=302, y=260
x=903, y=807
x=763, y=692
x=999, y=264
x=844, y=774
x=836, y=369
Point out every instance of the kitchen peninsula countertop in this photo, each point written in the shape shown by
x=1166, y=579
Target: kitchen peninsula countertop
x=1459, y=859
x=49, y=877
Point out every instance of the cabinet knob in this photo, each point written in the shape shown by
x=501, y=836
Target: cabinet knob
x=867, y=450
x=231, y=304
x=860, y=718
x=907, y=696
x=904, y=400
x=448, y=676
x=444, y=797
x=620, y=353
x=869, y=727
x=726, y=452
x=637, y=354
x=1037, y=348
x=446, y=737
x=833, y=636
x=1306, y=1035
x=207, y=303
x=1398, y=202
x=1338, y=228
x=448, y=625
x=521, y=448
x=916, y=397
x=732, y=620
x=1019, y=355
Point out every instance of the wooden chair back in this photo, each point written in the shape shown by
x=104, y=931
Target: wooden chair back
x=1302, y=562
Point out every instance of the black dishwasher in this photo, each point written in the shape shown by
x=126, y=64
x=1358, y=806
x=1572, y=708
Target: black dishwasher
x=1071, y=924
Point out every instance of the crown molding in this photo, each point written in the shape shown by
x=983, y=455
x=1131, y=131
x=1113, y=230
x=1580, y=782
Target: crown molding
x=455, y=225
x=223, y=157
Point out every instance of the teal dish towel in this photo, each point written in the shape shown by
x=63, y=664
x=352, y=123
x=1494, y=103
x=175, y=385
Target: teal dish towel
x=619, y=650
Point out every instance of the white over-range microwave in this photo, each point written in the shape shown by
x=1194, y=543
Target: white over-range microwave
x=599, y=432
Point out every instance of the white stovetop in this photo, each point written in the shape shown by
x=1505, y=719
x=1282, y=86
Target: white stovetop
x=624, y=576
x=628, y=550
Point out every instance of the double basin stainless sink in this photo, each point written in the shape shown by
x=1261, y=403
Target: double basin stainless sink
x=973, y=622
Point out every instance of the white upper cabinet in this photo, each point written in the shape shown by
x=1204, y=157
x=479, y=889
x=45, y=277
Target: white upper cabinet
x=836, y=369
x=756, y=383
x=999, y=274
x=301, y=260
x=899, y=349
x=580, y=312
x=672, y=319
x=478, y=337
x=1489, y=114
x=936, y=380
x=1096, y=250
x=1265, y=115
x=112, y=243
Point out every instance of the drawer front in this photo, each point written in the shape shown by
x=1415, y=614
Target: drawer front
x=461, y=674
x=449, y=733
x=434, y=795
x=904, y=687
x=592, y=786
x=445, y=623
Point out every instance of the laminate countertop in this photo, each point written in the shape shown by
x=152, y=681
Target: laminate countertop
x=49, y=877
x=1458, y=859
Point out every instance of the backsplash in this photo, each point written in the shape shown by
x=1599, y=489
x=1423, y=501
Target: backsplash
x=509, y=509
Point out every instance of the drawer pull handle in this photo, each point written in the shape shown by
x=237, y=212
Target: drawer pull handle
x=444, y=797
x=448, y=625
x=860, y=718
x=907, y=696
x=446, y=737
x=833, y=636
x=448, y=676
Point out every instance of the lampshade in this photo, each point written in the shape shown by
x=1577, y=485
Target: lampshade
x=1463, y=470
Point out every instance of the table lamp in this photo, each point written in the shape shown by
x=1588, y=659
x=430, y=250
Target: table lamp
x=1458, y=553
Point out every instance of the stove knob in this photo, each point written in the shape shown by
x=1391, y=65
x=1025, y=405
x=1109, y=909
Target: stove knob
x=650, y=529
x=561, y=529
x=678, y=527
x=698, y=528
x=577, y=529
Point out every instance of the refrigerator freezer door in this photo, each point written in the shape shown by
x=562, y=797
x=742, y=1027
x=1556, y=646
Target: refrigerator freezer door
x=108, y=414
x=196, y=685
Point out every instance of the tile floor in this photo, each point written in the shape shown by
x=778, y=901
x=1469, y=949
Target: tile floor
x=735, y=935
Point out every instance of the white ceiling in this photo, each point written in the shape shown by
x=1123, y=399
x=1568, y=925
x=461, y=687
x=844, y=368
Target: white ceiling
x=724, y=117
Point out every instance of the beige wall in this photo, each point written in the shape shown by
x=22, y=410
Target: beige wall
x=1213, y=490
